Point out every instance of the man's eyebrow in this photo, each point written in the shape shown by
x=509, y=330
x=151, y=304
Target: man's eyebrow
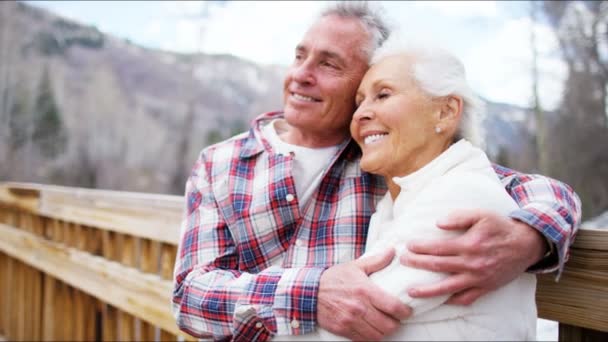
x=332, y=55
x=323, y=53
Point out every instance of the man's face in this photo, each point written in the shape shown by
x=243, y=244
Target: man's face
x=320, y=86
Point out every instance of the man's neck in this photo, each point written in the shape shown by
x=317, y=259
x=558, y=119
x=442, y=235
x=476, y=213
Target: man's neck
x=295, y=136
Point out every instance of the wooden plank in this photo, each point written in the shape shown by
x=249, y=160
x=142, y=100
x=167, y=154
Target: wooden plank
x=92, y=319
x=21, y=197
x=36, y=310
x=110, y=331
x=26, y=302
x=569, y=333
x=66, y=311
x=5, y=279
x=18, y=302
x=48, y=312
x=79, y=314
x=126, y=321
x=110, y=249
x=139, y=294
x=168, y=254
x=156, y=217
x=578, y=299
x=94, y=241
x=167, y=336
x=148, y=263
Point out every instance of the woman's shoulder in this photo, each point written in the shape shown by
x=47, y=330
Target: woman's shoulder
x=469, y=189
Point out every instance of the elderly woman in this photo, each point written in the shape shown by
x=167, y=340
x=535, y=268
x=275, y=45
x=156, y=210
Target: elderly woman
x=414, y=107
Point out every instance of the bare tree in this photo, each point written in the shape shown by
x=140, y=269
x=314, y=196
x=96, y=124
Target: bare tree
x=540, y=139
x=579, y=137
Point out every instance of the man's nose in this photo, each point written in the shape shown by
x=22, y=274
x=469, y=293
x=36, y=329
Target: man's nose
x=304, y=73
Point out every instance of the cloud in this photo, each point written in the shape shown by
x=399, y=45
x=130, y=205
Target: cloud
x=236, y=27
x=500, y=68
x=461, y=9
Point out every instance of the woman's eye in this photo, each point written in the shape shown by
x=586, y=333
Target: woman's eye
x=382, y=95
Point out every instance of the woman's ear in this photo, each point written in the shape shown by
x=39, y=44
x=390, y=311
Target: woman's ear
x=451, y=110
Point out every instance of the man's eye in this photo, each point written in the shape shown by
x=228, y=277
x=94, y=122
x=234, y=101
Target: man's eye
x=328, y=64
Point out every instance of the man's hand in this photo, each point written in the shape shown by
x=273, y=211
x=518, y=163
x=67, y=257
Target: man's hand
x=492, y=252
x=349, y=304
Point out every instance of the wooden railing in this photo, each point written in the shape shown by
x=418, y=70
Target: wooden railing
x=78, y=264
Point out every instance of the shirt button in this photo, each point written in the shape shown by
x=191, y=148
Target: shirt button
x=289, y=197
x=259, y=325
x=299, y=242
x=295, y=324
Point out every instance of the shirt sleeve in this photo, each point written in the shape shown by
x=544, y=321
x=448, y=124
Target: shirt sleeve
x=212, y=297
x=549, y=206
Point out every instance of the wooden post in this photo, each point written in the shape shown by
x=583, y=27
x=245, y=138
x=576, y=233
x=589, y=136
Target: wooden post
x=18, y=302
x=66, y=325
x=79, y=315
x=127, y=321
x=166, y=272
x=109, y=313
x=5, y=278
x=49, y=297
x=570, y=333
x=148, y=262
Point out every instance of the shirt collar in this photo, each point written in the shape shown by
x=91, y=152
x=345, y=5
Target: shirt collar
x=256, y=142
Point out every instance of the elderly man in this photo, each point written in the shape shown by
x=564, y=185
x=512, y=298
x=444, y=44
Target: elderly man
x=277, y=217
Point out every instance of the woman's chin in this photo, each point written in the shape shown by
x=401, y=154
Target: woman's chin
x=371, y=166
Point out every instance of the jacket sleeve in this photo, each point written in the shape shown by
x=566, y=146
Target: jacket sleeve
x=459, y=190
x=549, y=206
x=212, y=297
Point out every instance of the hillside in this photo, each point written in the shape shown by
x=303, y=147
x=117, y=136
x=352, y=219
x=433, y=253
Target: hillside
x=131, y=118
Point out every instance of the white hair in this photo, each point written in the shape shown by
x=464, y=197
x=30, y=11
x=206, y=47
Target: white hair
x=371, y=17
x=438, y=73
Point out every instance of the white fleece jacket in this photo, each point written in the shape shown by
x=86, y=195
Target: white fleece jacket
x=460, y=178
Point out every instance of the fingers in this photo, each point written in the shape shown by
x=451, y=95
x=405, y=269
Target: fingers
x=388, y=304
x=460, y=219
x=467, y=297
x=453, y=246
x=373, y=263
x=445, y=264
x=450, y=285
x=377, y=325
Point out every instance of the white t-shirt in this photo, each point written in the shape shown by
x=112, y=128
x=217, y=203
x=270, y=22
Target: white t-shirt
x=309, y=164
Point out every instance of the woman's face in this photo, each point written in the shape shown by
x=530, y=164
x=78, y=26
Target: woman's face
x=395, y=121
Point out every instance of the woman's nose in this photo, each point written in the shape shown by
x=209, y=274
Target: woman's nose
x=363, y=113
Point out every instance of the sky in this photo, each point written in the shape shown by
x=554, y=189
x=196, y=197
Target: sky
x=492, y=38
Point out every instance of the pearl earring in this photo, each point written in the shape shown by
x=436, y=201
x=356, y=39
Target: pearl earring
x=437, y=129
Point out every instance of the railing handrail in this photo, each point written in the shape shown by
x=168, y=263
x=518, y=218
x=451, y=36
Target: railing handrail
x=151, y=216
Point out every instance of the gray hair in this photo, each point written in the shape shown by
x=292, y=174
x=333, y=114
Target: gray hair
x=369, y=15
x=438, y=73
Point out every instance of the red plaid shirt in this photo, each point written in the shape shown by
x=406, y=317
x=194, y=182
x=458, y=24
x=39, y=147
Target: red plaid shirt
x=250, y=260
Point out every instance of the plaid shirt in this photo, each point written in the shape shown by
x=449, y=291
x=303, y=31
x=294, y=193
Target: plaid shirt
x=249, y=260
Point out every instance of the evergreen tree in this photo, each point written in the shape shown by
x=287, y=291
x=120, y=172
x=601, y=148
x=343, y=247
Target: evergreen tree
x=18, y=124
x=49, y=133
